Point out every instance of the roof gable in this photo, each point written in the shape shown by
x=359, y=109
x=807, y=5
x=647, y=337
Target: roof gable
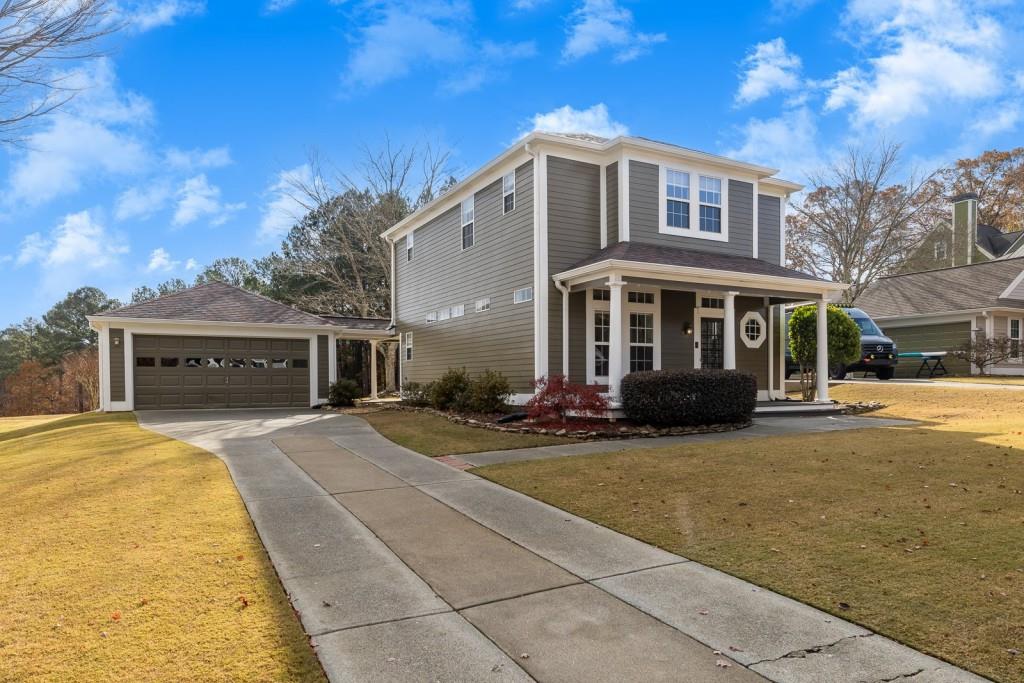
x=217, y=302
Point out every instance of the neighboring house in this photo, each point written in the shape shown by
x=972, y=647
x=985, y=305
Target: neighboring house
x=218, y=346
x=940, y=310
x=963, y=241
x=594, y=258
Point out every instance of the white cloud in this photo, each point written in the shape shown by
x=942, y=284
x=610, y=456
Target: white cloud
x=144, y=16
x=770, y=68
x=929, y=55
x=277, y=5
x=788, y=142
x=402, y=36
x=192, y=159
x=79, y=243
x=96, y=134
x=596, y=121
x=999, y=119
x=197, y=198
x=142, y=201
x=191, y=264
x=160, y=260
x=490, y=58
x=282, y=210
x=599, y=24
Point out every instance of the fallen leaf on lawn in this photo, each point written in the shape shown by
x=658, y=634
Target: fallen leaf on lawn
x=722, y=663
x=244, y=600
x=116, y=616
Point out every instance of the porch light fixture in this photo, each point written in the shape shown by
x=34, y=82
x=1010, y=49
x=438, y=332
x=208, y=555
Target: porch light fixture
x=117, y=341
x=688, y=328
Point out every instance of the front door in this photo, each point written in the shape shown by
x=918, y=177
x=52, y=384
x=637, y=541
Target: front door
x=711, y=342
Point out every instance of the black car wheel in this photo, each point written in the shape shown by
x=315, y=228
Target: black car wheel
x=885, y=373
x=837, y=371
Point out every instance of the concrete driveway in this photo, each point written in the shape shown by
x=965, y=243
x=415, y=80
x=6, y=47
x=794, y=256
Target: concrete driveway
x=405, y=569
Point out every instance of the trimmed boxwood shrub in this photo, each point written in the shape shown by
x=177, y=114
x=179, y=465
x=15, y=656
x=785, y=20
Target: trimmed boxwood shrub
x=344, y=392
x=488, y=393
x=450, y=391
x=670, y=398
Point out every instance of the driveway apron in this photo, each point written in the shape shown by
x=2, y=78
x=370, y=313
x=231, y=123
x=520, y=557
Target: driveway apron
x=404, y=569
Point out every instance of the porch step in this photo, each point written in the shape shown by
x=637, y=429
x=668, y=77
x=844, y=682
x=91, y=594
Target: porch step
x=795, y=408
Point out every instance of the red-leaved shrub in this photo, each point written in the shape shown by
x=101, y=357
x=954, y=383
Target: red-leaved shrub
x=557, y=397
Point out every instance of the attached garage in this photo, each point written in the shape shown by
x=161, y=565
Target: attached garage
x=219, y=346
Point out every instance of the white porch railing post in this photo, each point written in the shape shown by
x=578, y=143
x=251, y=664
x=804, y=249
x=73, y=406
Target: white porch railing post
x=615, y=365
x=821, y=366
x=373, y=369
x=729, y=332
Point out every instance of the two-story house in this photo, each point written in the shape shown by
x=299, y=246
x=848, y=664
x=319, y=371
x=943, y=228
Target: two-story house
x=594, y=258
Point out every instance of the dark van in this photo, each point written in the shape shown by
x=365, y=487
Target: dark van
x=878, y=352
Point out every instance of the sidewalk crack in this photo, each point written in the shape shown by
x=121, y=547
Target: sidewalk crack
x=817, y=649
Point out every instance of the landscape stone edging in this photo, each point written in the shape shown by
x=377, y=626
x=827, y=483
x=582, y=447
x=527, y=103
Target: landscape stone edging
x=582, y=434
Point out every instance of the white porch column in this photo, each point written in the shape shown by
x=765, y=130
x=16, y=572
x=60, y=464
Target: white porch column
x=615, y=365
x=822, y=360
x=729, y=332
x=373, y=369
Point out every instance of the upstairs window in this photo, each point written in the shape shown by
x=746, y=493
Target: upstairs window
x=432, y=317
x=508, y=192
x=468, y=214
x=710, y=204
x=444, y=314
x=483, y=305
x=712, y=302
x=408, y=246
x=602, y=295
x=458, y=311
x=677, y=193
x=640, y=297
x=940, y=250
x=521, y=296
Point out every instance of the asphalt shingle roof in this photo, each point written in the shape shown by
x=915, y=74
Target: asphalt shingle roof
x=358, y=323
x=940, y=291
x=995, y=241
x=218, y=302
x=679, y=256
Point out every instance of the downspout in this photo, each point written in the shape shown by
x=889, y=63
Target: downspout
x=565, y=326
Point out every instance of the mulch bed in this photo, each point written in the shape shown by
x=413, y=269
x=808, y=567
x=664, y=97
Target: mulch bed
x=573, y=428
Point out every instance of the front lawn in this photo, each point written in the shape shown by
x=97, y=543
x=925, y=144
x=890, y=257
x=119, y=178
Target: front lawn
x=914, y=532
x=433, y=435
x=9, y=424
x=984, y=379
x=125, y=555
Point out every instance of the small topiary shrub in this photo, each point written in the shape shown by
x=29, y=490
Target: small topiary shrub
x=488, y=393
x=671, y=398
x=451, y=390
x=344, y=392
x=416, y=394
x=557, y=397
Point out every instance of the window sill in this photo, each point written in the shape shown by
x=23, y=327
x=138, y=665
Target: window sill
x=695, y=234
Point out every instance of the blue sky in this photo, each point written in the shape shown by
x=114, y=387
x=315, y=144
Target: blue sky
x=178, y=145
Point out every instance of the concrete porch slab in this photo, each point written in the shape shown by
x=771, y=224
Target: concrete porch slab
x=465, y=563
x=582, y=634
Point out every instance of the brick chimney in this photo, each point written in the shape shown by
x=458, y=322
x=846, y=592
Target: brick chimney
x=965, y=228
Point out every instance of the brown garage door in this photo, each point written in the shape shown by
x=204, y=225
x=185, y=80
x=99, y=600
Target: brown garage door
x=220, y=372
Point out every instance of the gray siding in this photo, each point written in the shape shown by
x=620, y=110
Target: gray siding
x=769, y=231
x=116, y=363
x=574, y=232
x=612, y=196
x=578, y=337
x=441, y=275
x=676, y=347
x=323, y=380
x=946, y=337
x=643, y=214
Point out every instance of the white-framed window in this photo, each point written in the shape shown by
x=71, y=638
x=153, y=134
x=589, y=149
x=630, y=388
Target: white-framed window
x=602, y=337
x=710, y=204
x=444, y=313
x=468, y=217
x=677, y=199
x=1015, y=339
x=521, y=296
x=641, y=342
x=640, y=297
x=602, y=295
x=458, y=310
x=753, y=329
x=482, y=305
x=432, y=317
x=508, y=192
x=408, y=345
x=409, y=244
x=940, y=250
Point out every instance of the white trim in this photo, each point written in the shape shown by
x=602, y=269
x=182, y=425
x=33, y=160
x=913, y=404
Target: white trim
x=314, y=361
x=232, y=329
x=603, y=193
x=591, y=308
x=565, y=327
x=927, y=319
x=623, y=198
x=782, y=351
x=1008, y=292
x=129, y=371
x=540, y=267
x=759, y=342
x=104, y=370
x=699, y=312
x=783, y=210
x=771, y=348
x=332, y=360
x=756, y=202
x=729, y=332
x=821, y=359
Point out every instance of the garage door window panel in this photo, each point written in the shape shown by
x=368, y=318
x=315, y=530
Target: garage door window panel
x=145, y=362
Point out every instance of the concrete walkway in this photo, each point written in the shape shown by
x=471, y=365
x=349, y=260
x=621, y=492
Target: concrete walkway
x=404, y=569
x=763, y=426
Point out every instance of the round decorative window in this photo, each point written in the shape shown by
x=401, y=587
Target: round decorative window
x=753, y=329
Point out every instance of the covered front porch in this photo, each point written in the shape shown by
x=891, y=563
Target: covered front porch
x=636, y=307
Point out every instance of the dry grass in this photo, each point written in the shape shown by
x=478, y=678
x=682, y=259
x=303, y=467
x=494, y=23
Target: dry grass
x=988, y=379
x=128, y=556
x=918, y=529
x=433, y=435
x=9, y=424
